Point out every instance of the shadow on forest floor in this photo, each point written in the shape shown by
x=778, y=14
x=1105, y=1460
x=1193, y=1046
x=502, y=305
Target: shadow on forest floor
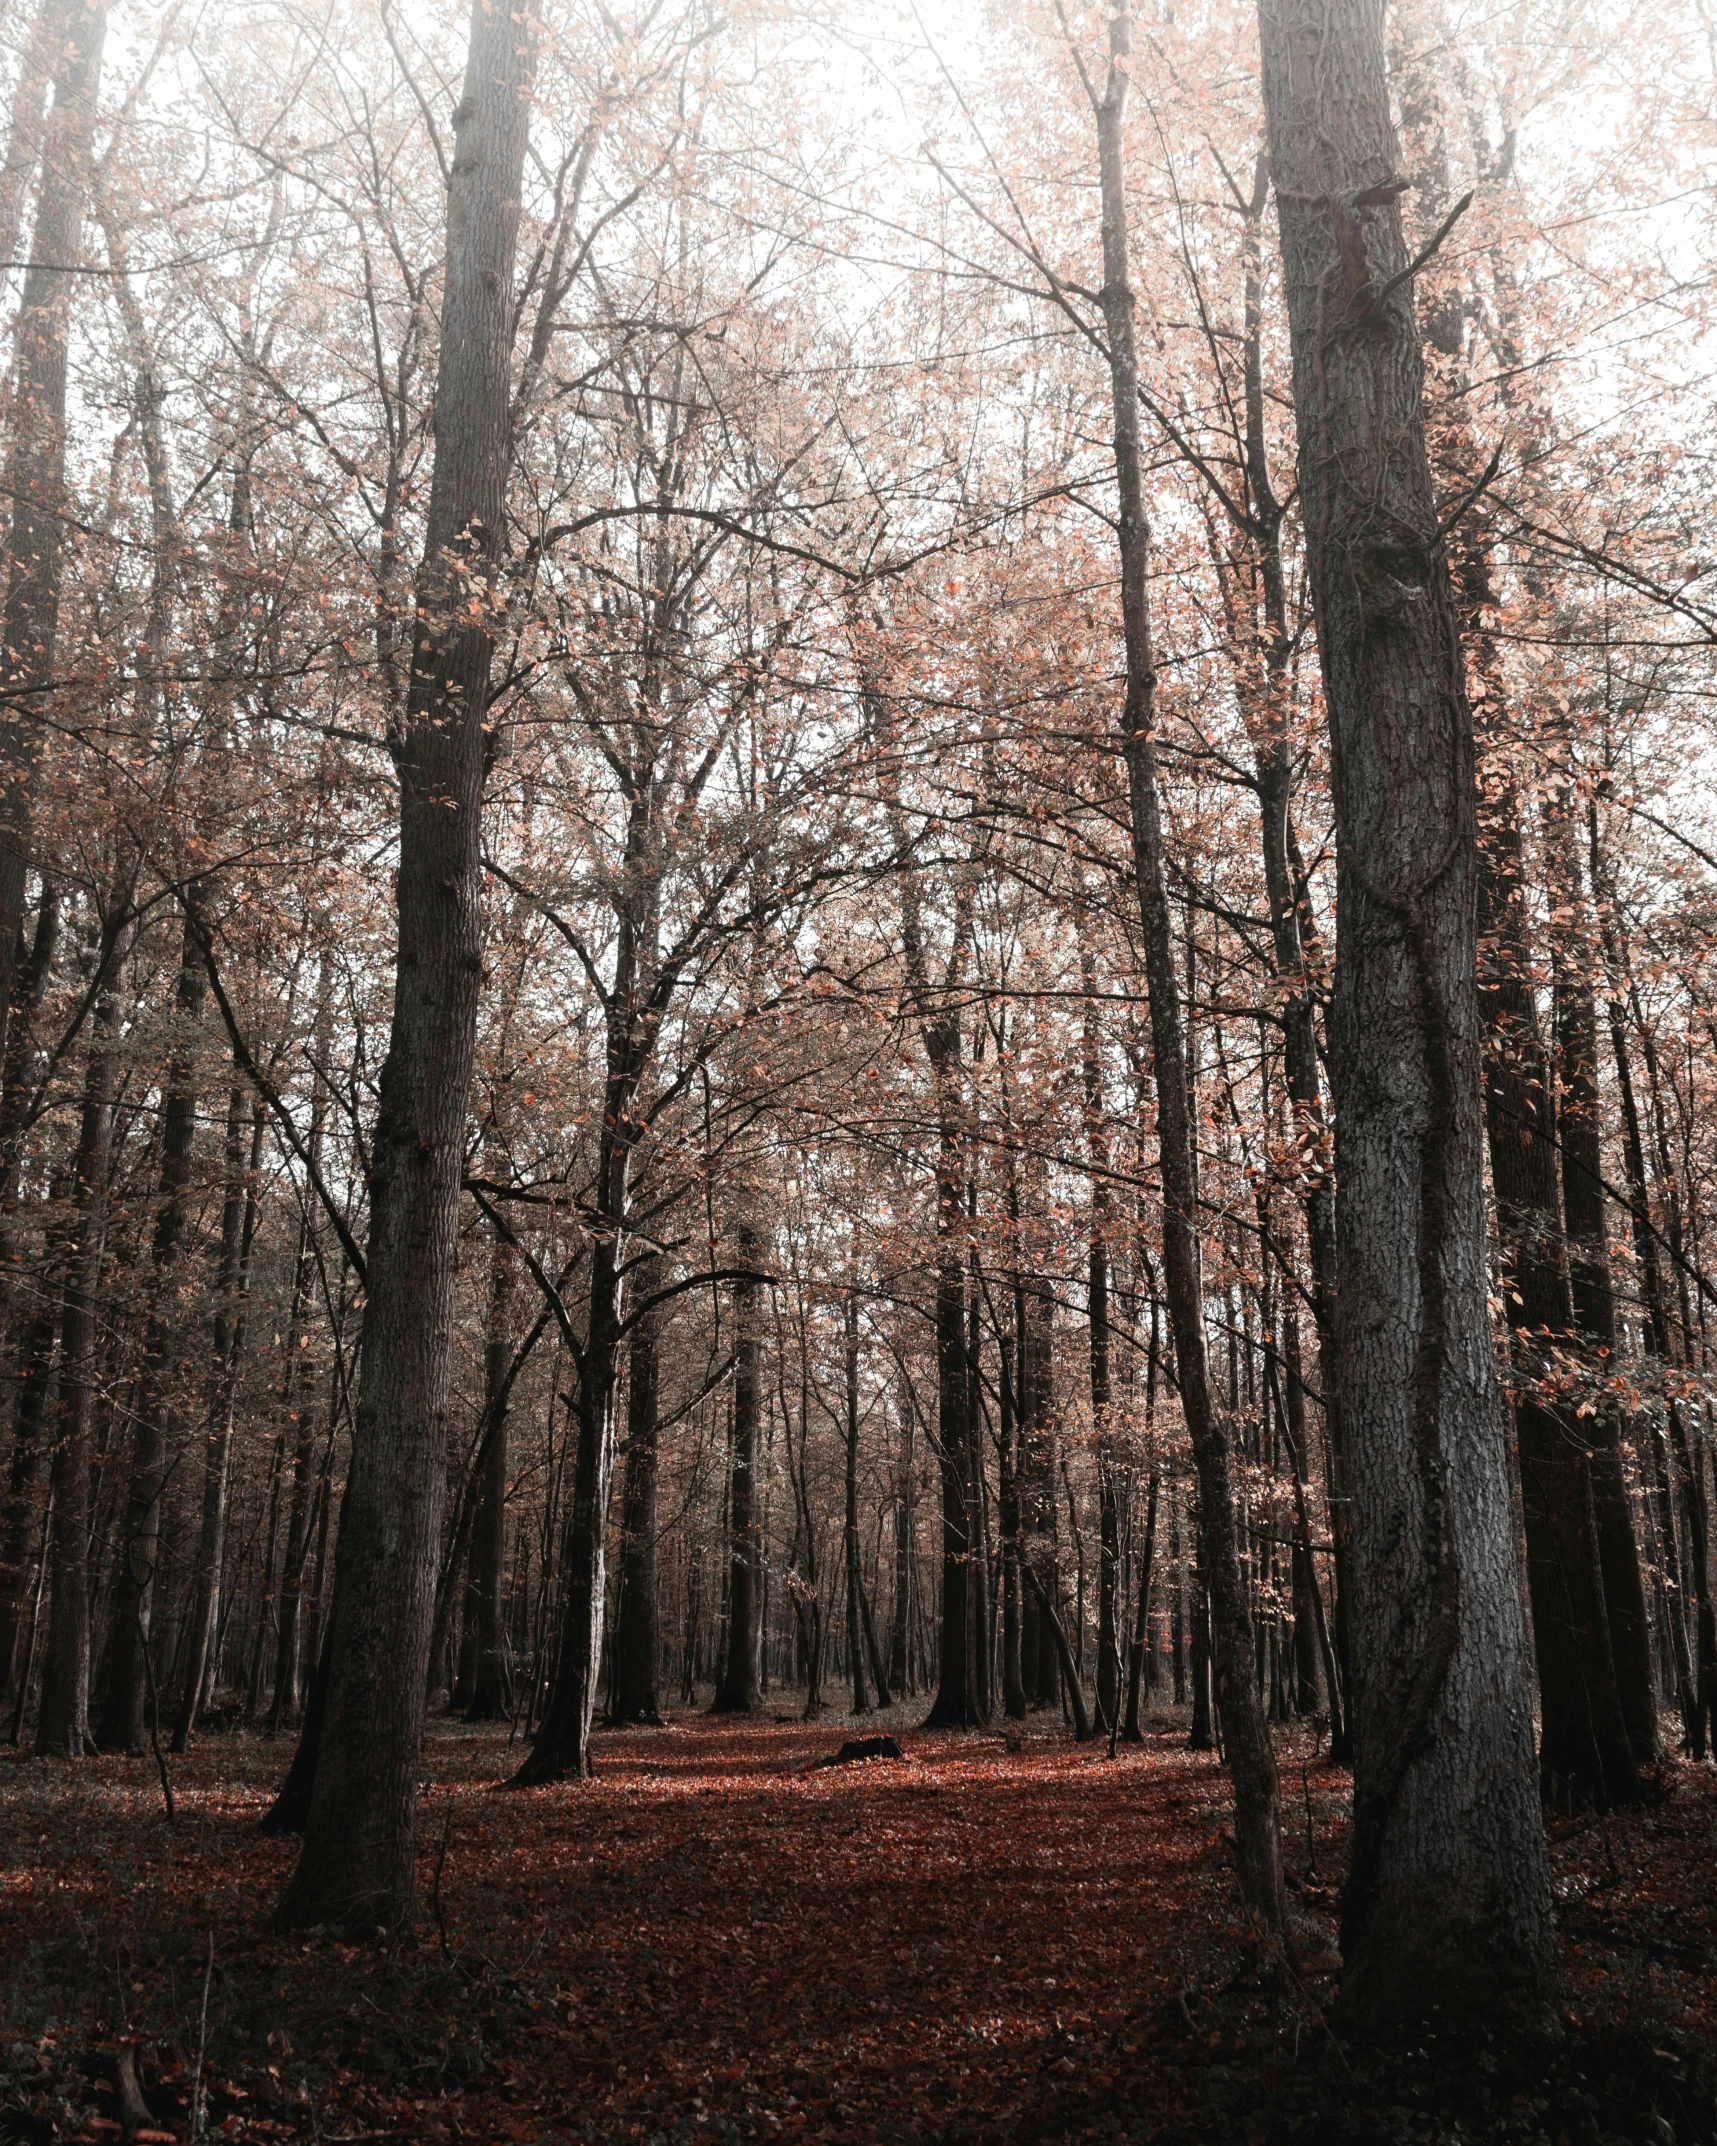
x=715, y=1940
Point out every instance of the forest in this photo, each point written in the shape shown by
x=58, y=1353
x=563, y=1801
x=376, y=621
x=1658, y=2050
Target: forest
x=858, y=933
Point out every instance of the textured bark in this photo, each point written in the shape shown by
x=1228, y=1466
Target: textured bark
x=738, y=1691
x=1448, y=1898
x=357, y=1865
x=1257, y=1814
x=637, y=1617
x=36, y=469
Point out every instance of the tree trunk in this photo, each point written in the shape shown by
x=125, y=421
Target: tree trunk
x=1592, y=1289
x=1257, y=1815
x=1448, y=1897
x=36, y=471
x=1133, y=1730
x=855, y=1630
x=357, y=1866
x=637, y=1619
x=738, y=1691
x=62, y=1725
x=238, y=1234
x=492, y=1687
x=956, y=1705
x=124, y=1724
x=1585, y=1754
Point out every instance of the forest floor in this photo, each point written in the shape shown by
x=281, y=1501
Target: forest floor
x=993, y=1939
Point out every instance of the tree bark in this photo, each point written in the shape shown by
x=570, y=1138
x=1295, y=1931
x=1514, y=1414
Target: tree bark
x=124, y=1722
x=492, y=1685
x=62, y=1724
x=36, y=470
x=1257, y=1815
x=238, y=1235
x=1591, y=1285
x=637, y=1618
x=357, y=1866
x=738, y=1691
x=855, y=1580
x=1448, y=1896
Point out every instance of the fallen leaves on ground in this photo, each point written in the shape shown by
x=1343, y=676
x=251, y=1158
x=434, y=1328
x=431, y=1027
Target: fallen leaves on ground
x=989, y=1939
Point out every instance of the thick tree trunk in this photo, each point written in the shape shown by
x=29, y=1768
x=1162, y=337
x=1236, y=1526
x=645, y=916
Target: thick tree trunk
x=637, y=1618
x=1448, y=1898
x=738, y=1692
x=1257, y=1815
x=357, y=1866
x=36, y=470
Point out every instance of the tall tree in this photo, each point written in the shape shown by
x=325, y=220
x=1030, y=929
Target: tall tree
x=1448, y=1897
x=36, y=468
x=1257, y=1812
x=357, y=1865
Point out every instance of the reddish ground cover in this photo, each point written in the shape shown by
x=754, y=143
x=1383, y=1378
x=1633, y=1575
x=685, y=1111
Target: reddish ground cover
x=719, y=1939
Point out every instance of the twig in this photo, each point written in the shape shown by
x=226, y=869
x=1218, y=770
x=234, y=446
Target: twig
x=435, y=1883
x=197, y=2097
x=1418, y=261
x=1470, y=497
x=154, y=1718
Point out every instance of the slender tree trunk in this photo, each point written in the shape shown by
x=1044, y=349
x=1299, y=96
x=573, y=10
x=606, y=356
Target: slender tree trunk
x=956, y=1703
x=36, y=470
x=62, y=1725
x=738, y=1691
x=900, y=1675
x=637, y=1621
x=238, y=1235
x=492, y=1688
x=1448, y=1897
x=35, y=1376
x=1133, y=1730
x=855, y=1580
x=1585, y=1754
x=123, y=1723
x=1257, y=1816
x=357, y=1866
x=1013, y=1681
x=1593, y=1293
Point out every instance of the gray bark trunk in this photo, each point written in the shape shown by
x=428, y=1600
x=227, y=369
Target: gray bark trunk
x=36, y=471
x=357, y=1865
x=1448, y=1898
x=1257, y=1814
